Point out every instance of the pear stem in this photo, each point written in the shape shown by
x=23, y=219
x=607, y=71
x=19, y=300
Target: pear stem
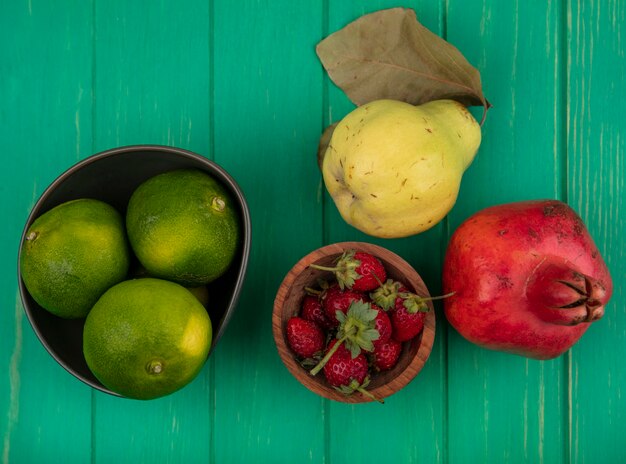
x=486, y=107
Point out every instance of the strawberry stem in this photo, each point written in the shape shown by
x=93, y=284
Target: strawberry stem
x=426, y=298
x=356, y=330
x=373, y=274
x=363, y=391
x=440, y=297
x=386, y=293
x=328, y=355
x=323, y=268
x=312, y=291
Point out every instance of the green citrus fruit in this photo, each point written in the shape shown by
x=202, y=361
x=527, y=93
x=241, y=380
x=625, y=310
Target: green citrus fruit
x=146, y=338
x=183, y=226
x=72, y=254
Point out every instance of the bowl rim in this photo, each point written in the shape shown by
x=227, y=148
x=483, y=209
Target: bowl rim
x=382, y=391
x=224, y=177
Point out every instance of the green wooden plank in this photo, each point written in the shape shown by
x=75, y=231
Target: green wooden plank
x=152, y=85
x=504, y=408
x=268, y=112
x=410, y=426
x=269, y=101
x=45, y=126
x=596, y=175
x=152, y=81
x=173, y=429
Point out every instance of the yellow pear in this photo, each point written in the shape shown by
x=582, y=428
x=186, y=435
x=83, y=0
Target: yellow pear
x=394, y=169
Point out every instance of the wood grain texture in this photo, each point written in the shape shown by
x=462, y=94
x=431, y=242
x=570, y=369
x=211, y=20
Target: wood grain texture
x=45, y=120
x=420, y=407
x=288, y=303
x=267, y=111
x=505, y=408
x=595, y=188
x=147, y=90
x=239, y=82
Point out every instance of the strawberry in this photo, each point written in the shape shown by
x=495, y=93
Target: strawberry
x=305, y=338
x=357, y=270
x=382, y=324
x=386, y=355
x=336, y=299
x=345, y=372
x=408, y=317
x=342, y=368
x=313, y=311
x=385, y=295
x=407, y=310
x=356, y=331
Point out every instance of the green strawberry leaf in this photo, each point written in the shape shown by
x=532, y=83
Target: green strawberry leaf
x=362, y=312
x=345, y=389
x=414, y=303
x=356, y=331
x=353, y=347
x=385, y=295
x=346, y=269
x=370, y=334
x=355, y=386
x=357, y=327
x=309, y=363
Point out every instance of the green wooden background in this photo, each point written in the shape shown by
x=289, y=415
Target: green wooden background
x=238, y=81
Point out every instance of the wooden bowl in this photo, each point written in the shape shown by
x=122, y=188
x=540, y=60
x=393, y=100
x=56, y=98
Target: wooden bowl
x=289, y=299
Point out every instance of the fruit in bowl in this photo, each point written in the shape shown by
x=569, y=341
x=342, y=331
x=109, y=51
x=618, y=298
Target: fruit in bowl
x=333, y=322
x=183, y=226
x=157, y=330
x=72, y=254
x=141, y=259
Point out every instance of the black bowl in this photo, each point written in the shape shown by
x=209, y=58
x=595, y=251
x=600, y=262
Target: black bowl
x=112, y=176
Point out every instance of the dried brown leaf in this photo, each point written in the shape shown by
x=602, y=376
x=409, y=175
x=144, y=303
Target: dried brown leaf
x=389, y=54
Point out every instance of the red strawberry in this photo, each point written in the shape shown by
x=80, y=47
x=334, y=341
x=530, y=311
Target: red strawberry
x=342, y=368
x=305, y=338
x=386, y=355
x=382, y=324
x=335, y=299
x=407, y=319
x=356, y=332
x=407, y=310
x=346, y=373
x=313, y=311
x=357, y=270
